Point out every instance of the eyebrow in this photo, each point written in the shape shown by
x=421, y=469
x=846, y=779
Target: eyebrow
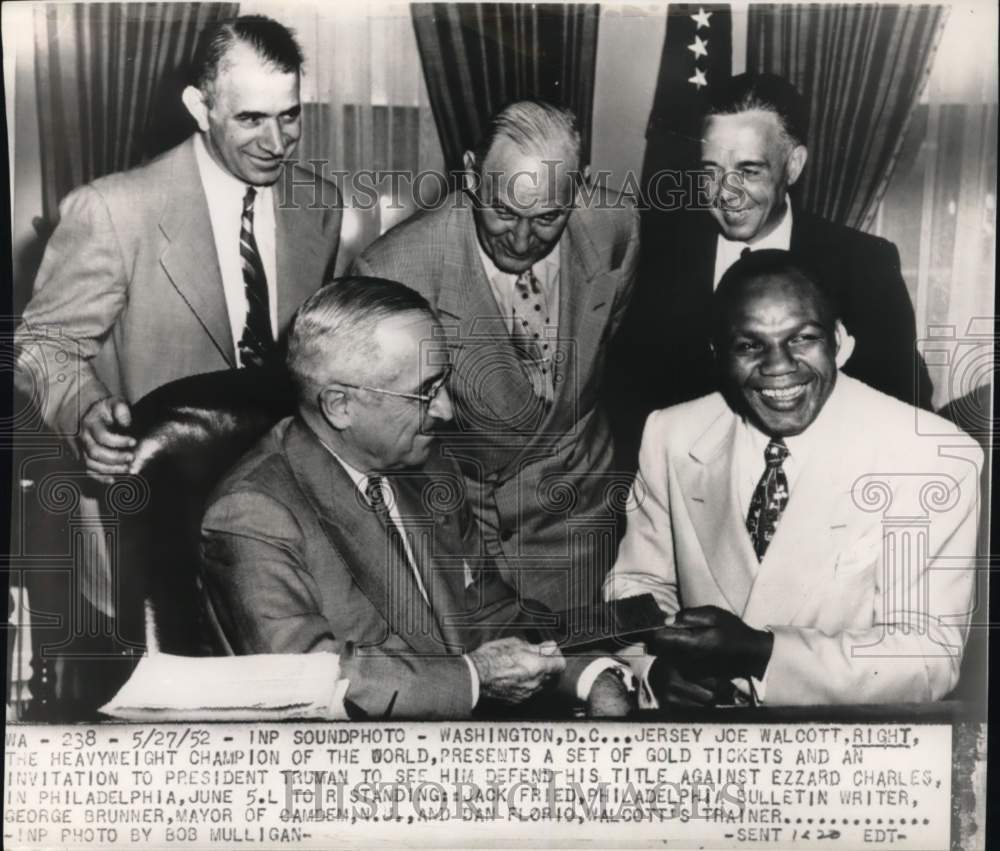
x=295, y=110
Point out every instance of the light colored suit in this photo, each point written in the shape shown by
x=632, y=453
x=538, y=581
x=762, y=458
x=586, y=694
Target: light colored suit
x=540, y=480
x=294, y=561
x=129, y=294
x=838, y=581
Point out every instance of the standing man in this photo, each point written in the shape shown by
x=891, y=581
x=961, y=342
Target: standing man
x=753, y=150
x=530, y=276
x=193, y=262
x=797, y=529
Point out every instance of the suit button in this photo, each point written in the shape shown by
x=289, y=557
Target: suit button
x=506, y=535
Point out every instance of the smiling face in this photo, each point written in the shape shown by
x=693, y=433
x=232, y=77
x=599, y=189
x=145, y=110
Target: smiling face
x=778, y=354
x=251, y=117
x=523, y=201
x=751, y=164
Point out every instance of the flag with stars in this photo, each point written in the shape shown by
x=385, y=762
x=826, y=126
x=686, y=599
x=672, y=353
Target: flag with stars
x=697, y=53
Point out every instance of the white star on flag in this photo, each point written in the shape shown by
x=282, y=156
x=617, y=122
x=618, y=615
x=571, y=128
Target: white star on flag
x=698, y=47
x=701, y=19
x=698, y=80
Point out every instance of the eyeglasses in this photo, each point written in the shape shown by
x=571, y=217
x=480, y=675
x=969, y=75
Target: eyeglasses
x=425, y=398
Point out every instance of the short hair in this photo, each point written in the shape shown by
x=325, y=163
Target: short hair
x=272, y=42
x=332, y=333
x=529, y=124
x=766, y=263
x=766, y=92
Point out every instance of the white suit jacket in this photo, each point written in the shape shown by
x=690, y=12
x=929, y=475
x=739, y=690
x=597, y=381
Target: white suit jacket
x=868, y=582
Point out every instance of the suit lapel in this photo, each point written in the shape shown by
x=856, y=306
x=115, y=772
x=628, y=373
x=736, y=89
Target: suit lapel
x=189, y=258
x=713, y=505
x=586, y=294
x=801, y=556
x=356, y=534
x=299, y=255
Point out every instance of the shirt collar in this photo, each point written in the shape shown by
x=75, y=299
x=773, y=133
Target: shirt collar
x=218, y=182
x=800, y=445
x=360, y=479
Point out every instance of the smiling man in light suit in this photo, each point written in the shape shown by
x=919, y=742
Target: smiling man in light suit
x=530, y=275
x=193, y=262
x=800, y=534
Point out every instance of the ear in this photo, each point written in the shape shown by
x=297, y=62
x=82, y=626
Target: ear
x=334, y=407
x=796, y=162
x=844, y=343
x=194, y=101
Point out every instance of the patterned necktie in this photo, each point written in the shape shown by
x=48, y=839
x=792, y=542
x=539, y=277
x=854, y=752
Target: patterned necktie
x=257, y=343
x=769, y=498
x=531, y=315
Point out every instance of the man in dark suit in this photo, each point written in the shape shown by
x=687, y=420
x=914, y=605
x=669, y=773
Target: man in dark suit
x=753, y=150
x=347, y=530
x=530, y=271
x=191, y=263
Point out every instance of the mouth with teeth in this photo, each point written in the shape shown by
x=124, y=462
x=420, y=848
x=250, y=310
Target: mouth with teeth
x=783, y=398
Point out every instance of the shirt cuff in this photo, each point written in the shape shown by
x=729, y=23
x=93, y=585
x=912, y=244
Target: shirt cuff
x=593, y=671
x=474, y=678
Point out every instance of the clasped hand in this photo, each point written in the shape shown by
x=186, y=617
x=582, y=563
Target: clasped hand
x=713, y=642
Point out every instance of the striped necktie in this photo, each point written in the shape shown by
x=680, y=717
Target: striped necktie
x=257, y=343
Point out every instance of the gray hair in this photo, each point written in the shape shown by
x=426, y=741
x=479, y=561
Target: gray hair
x=531, y=125
x=332, y=334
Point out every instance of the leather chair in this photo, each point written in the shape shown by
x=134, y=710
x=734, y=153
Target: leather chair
x=190, y=433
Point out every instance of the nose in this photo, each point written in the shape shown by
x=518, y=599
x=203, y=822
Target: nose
x=777, y=361
x=271, y=139
x=440, y=407
x=522, y=236
x=730, y=190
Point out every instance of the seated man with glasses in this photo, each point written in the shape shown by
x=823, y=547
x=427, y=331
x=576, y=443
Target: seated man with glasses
x=346, y=530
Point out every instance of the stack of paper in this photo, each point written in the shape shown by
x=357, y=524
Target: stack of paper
x=267, y=687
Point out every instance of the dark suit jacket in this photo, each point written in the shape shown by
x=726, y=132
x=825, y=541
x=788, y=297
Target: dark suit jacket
x=539, y=479
x=665, y=358
x=294, y=561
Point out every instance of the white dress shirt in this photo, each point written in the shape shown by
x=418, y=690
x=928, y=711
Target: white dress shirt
x=502, y=284
x=727, y=252
x=224, y=195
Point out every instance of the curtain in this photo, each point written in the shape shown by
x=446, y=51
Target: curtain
x=940, y=210
x=861, y=69
x=479, y=56
x=109, y=82
x=367, y=122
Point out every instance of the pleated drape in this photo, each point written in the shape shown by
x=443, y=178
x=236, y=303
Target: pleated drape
x=109, y=81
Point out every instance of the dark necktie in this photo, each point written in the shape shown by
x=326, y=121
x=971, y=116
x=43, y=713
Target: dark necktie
x=769, y=498
x=530, y=316
x=745, y=252
x=376, y=491
x=257, y=343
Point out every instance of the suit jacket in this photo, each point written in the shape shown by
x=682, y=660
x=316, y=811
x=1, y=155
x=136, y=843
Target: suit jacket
x=880, y=528
x=665, y=357
x=294, y=561
x=129, y=297
x=129, y=294
x=541, y=479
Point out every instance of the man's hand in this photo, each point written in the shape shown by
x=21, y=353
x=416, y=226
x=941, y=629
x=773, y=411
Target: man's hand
x=106, y=449
x=713, y=642
x=511, y=670
x=609, y=697
x=672, y=688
